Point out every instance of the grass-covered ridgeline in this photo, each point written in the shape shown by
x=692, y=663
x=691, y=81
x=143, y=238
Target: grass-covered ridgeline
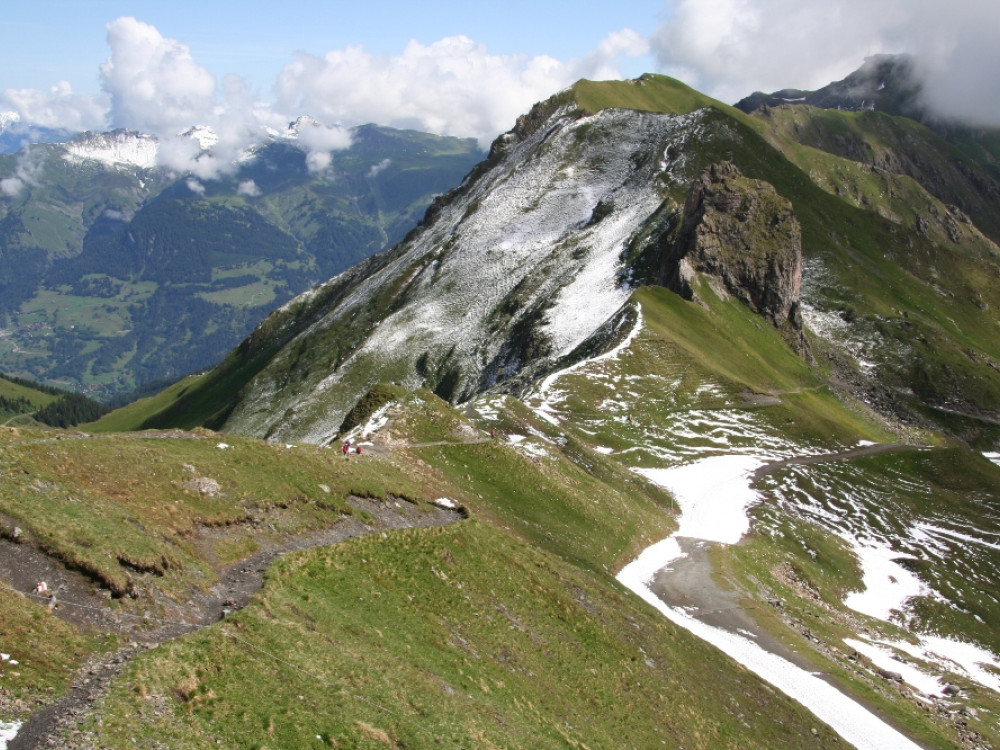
x=118, y=506
x=459, y=637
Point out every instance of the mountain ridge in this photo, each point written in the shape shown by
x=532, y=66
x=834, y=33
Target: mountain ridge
x=531, y=330
x=598, y=426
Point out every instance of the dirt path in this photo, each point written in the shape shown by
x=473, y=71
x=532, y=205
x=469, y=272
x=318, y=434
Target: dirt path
x=688, y=583
x=825, y=458
x=22, y=566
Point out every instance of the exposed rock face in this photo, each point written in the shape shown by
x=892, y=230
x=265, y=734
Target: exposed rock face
x=740, y=231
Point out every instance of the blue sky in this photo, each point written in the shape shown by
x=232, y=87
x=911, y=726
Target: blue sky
x=46, y=41
x=466, y=69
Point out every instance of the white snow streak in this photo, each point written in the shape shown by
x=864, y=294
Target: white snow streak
x=545, y=395
x=692, y=486
x=881, y=655
x=887, y=584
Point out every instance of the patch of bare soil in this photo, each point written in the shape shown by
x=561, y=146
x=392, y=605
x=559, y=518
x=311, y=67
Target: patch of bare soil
x=76, y=601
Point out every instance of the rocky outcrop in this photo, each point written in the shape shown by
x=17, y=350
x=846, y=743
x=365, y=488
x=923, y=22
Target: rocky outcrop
x=741, y=232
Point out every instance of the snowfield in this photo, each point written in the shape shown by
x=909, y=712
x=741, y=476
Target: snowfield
x=116, y=149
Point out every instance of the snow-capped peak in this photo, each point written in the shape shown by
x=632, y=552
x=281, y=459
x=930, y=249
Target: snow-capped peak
x=206, y=136
x=303, y=121
x=117, y=148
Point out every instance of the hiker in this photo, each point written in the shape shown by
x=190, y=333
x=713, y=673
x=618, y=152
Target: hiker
x=358, y=450
x=346, y=446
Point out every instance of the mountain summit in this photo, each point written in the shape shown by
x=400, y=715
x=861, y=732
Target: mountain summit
x=529, y=265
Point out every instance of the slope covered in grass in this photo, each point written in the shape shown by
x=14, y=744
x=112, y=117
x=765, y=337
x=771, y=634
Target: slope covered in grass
x=461, y=637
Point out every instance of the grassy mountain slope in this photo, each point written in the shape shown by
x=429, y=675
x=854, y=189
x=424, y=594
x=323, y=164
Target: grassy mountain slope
x=25, y=403
x=505, y=629
x=898, y=288
x=920, y=292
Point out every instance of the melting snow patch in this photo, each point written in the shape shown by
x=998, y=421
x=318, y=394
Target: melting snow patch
x=8, y=731
x=533, y=449
x=850, y=720
x=713, y=494
x=884, y=658
x=377, y=420
x=490, y=408
x=888, y=585
x=444, y=502
x=606, y=451
x=994, y=457
x=223, y=446
x=968, y=659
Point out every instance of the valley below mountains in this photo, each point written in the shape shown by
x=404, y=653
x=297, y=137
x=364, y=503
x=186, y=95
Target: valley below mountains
x=672, y=425
x=118, y=274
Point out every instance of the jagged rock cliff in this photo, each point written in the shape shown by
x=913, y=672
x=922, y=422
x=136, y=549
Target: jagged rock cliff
x=740, y=231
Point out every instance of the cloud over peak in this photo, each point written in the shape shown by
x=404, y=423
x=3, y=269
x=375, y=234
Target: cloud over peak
x=454, y=86
x=731, y=48
x=451, y=87
x=154, y=84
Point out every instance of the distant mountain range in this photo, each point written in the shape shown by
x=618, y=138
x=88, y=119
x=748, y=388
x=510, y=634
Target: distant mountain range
x=115, y=272
x=14, y=137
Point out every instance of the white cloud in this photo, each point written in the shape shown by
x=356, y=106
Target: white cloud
x=319, y=141
x=451, y=87
x=377, y=169
x=11, y=186
x=730, y=48
x=154, y=84
x=248, y=188
x=194, y=186
x=26, y=172
x=454, y=86
x=59, y=107
x=318, y=161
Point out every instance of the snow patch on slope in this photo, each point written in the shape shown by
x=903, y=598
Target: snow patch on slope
x=8, y=731
x=887, y=585
x=117, y=149
x=703, y=491
x=713, y=494
x=521, y=246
